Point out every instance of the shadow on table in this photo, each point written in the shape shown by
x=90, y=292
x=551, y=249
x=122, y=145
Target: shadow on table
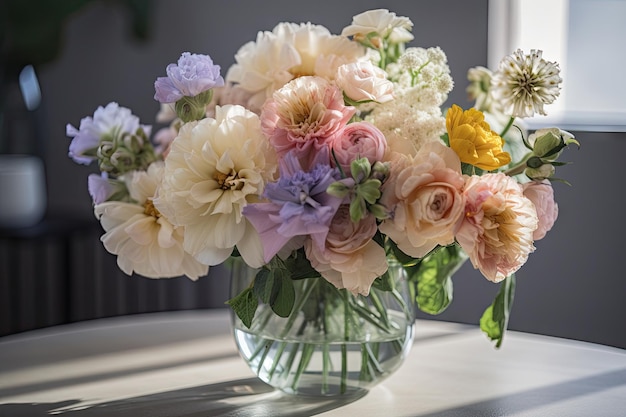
x=243, y=398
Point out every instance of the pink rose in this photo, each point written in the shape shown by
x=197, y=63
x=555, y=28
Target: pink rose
x=358, y=140
x=350, y=258
x=363, y=81
x=303, y=116
x=424, y=193
x=542, y=196
x=497, y=228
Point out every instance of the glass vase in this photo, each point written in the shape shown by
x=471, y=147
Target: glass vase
x=332, y=343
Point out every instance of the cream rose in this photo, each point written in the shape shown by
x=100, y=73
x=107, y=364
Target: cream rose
x=363, y=81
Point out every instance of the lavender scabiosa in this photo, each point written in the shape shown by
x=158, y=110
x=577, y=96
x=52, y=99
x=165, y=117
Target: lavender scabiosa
x=298, y=206
x=114, y=138
x=189, y=84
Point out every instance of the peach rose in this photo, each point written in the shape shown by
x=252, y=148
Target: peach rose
x=350, y=259
x=358, y=140
x=363, y=81
x=498, y=226
x=542, y=196
x=425, y=194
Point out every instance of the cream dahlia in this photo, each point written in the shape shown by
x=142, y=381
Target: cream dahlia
x=215, y=168
x=145, y=241
x=289, y=51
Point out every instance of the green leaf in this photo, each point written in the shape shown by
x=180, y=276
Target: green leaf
x=263, y=285
x=285, y=294
x=496, y=317
x=300, y=267
x=244, y=305
x=384, y=282
x=432, y=278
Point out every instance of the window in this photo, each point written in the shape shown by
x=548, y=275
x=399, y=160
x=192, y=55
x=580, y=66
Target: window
x=586, y=38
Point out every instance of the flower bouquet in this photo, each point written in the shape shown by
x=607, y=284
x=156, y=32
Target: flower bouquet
x=324, y=169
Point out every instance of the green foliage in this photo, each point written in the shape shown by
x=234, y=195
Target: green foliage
x=431, y=277
x=496, y=317
x=244, y=305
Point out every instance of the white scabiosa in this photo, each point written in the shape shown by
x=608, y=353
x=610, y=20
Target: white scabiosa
x=144, y=241
x=523, y=84
x=215, y=167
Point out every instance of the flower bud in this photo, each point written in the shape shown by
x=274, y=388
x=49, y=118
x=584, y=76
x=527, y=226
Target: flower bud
x=338, y=189
x=360, y=169
x=541, y=172
x=544, y=141
x=379, y=211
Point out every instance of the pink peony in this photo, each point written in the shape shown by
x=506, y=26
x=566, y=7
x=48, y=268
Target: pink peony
x=350, y=259
x=363, y=81
x=358, y=140
x=498, y=226
x=542, y=196
x=304, y=115
x=424, y=194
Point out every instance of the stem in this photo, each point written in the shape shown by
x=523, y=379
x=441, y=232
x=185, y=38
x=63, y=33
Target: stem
x=307, y=353
x=507, y=127
x=519, y=168
x=325, y=363
x=346, y=337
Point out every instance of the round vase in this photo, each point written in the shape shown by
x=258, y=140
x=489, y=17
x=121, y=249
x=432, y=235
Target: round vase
x=333, y=342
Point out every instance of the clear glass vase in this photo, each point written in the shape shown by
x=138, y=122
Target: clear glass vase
x=332, y=343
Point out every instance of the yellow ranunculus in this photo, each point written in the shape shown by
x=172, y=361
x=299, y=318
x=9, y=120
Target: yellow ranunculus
x=473, y=140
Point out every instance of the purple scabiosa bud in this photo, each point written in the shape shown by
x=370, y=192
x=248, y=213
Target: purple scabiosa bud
x=191, y=76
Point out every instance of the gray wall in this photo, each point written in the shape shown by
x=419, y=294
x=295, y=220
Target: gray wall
x=571, y=287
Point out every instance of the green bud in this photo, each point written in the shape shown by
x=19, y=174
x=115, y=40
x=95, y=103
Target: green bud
x=545, y=142
x=360, y=169
x=189, y=109
x=358, y=209
x=379, y=211
x=123, y=160
x=369, y=190
x=338, y=189
x=381, y=170
x=541, y=173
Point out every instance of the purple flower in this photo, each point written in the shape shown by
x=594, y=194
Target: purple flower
x=193, y=75
x=100, y=188
x=299, y=206
x=112, y=120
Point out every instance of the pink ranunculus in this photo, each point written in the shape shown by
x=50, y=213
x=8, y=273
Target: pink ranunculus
x=303, y=116
x=363, y=81
x=542, y=196
x=498, y=226
x=358, y=140
x=350, y=258
x=424, y=193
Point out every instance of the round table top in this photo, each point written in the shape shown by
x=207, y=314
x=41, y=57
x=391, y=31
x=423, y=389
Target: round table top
x=185, y=364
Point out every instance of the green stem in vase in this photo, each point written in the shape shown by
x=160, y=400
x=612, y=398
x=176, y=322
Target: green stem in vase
x=325, y=363
x=305, y=358
x=344, y=347
x=279, y=353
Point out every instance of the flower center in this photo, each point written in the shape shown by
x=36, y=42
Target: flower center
x=150, y=210
x=228, y=181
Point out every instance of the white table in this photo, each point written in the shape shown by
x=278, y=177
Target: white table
x=185, y=364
